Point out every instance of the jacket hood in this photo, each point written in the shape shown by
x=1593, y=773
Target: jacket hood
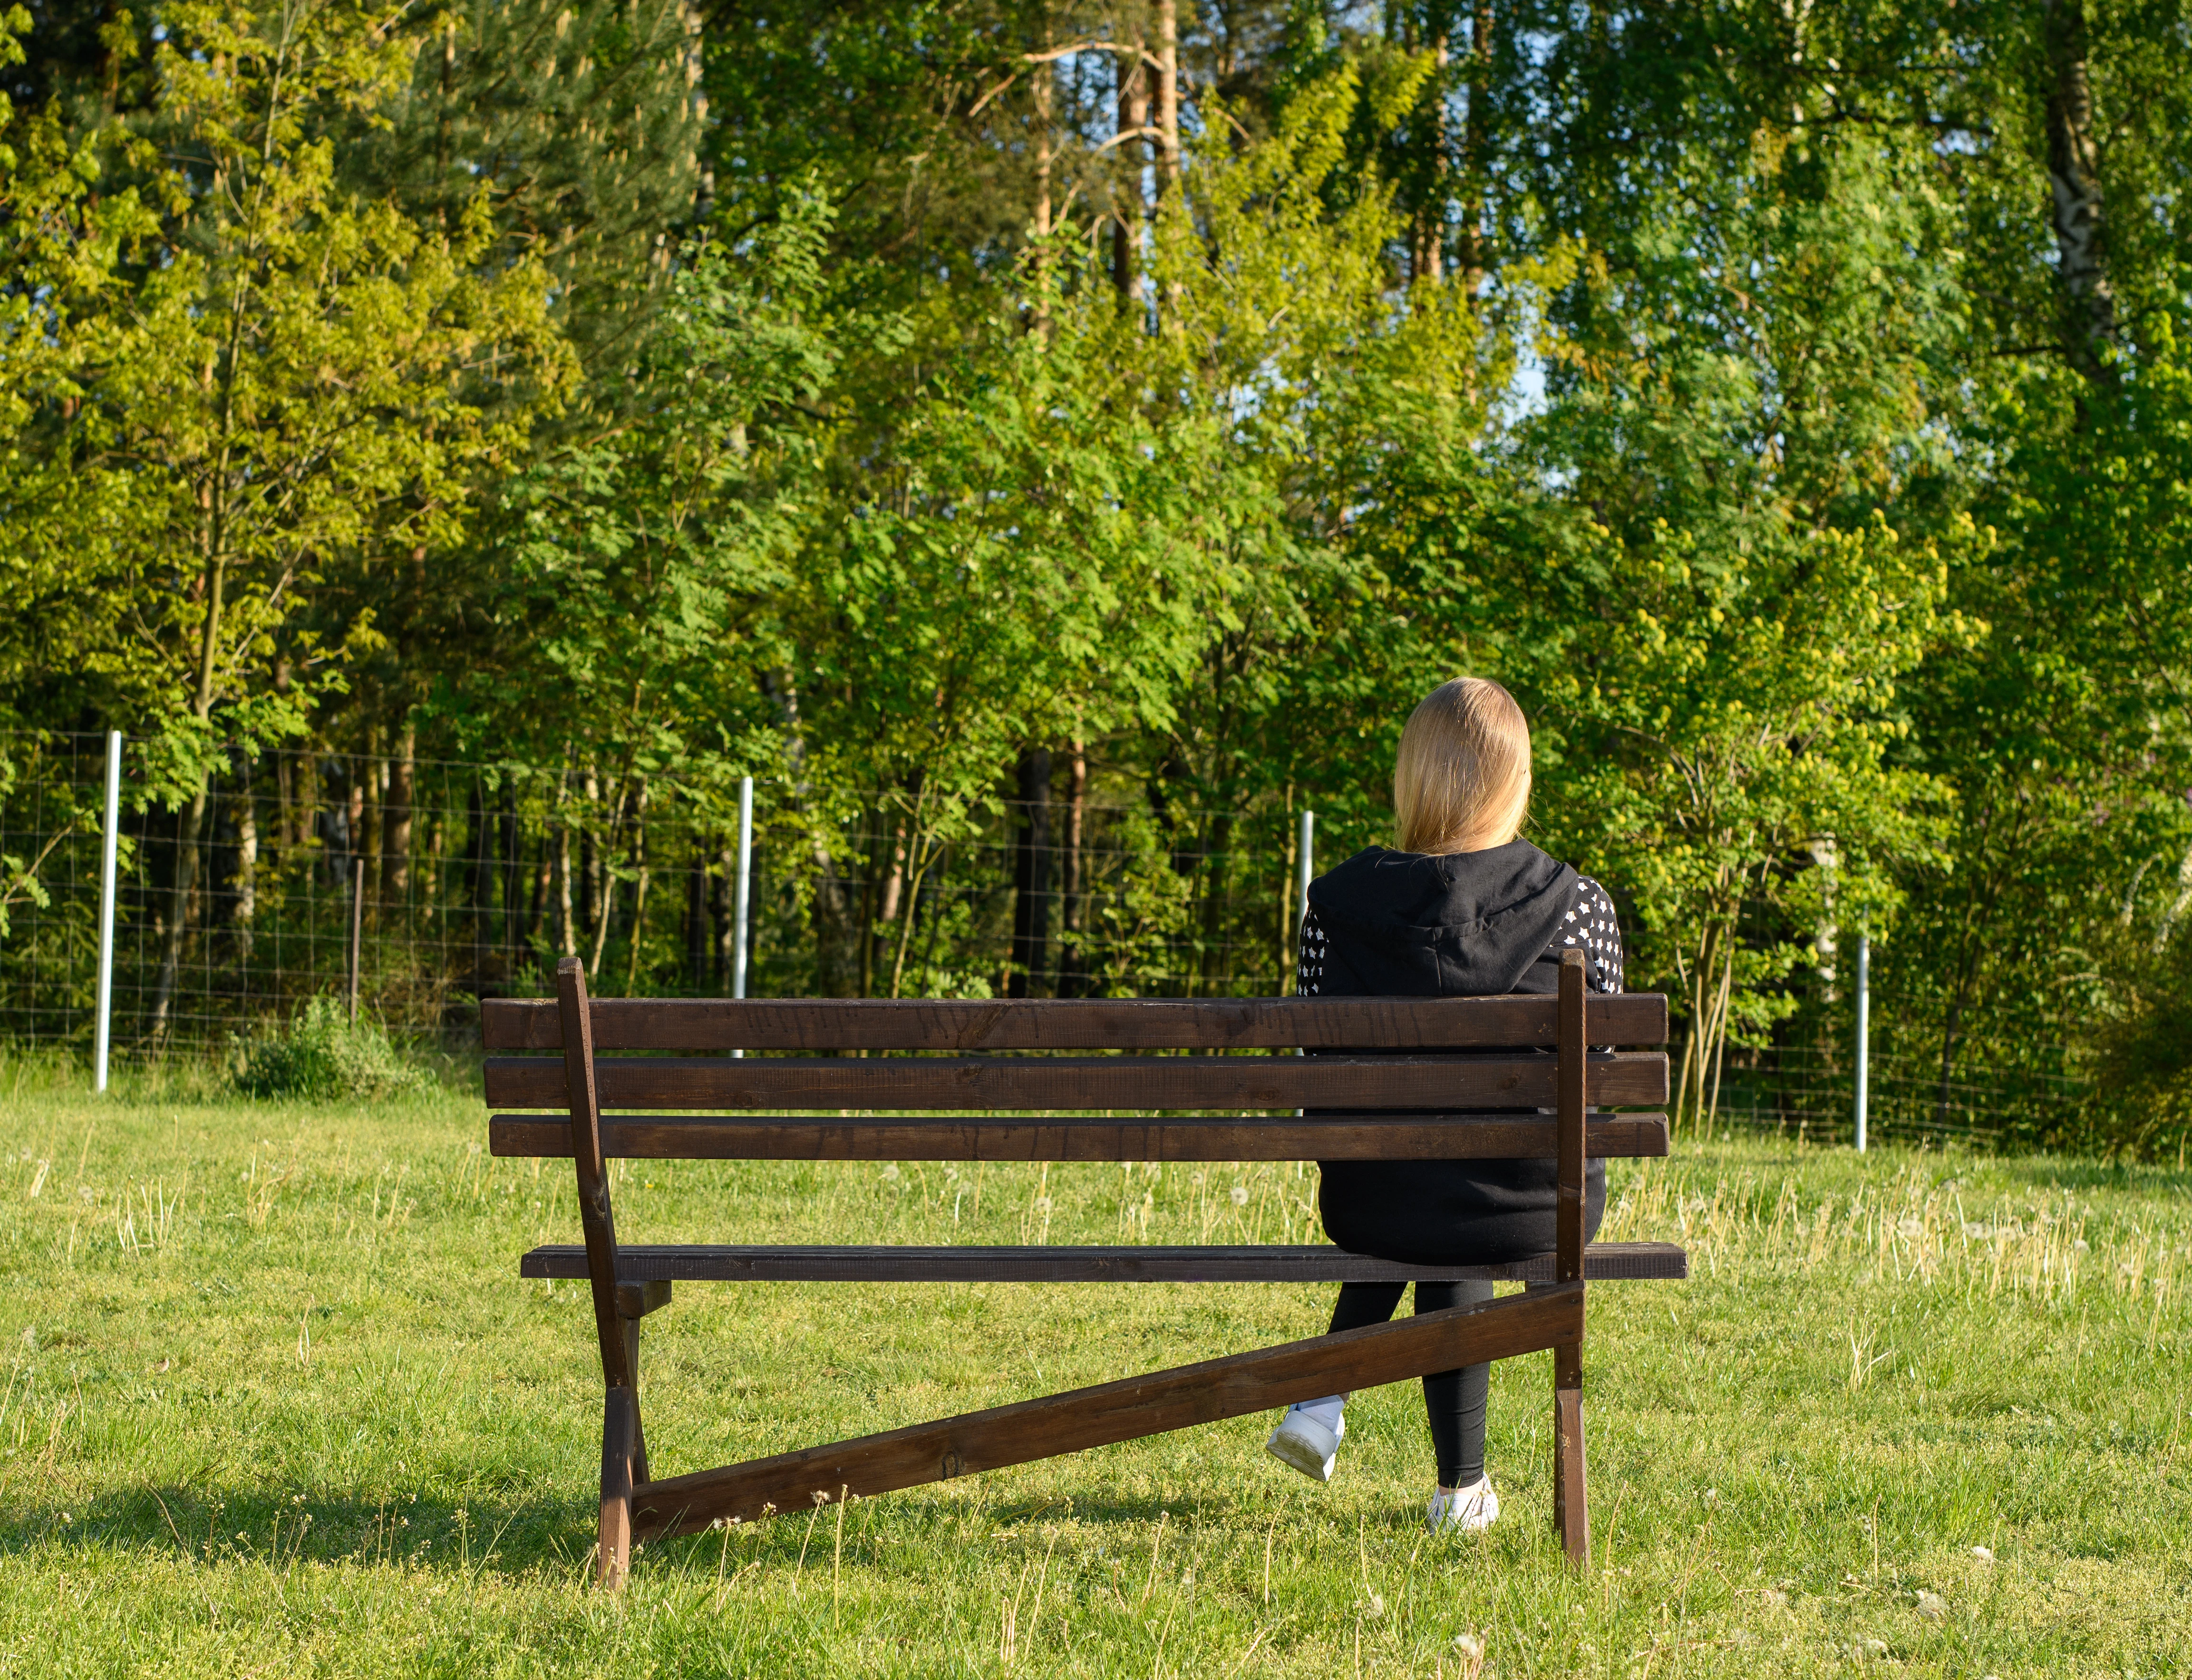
x=1467, y=924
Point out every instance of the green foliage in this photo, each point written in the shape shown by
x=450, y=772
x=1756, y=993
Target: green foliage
x=319, y=1053
x=1785, y=402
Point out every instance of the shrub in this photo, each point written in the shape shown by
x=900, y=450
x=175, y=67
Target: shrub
x=321, y=1053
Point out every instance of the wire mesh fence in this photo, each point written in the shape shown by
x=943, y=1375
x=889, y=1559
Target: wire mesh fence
x=439, y=883
x=412, y=888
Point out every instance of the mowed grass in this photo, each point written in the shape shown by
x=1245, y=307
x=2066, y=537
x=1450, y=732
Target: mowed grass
x=276, y=1403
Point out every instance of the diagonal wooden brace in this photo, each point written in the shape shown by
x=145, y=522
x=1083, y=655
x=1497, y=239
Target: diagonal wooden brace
x=1125, y=1411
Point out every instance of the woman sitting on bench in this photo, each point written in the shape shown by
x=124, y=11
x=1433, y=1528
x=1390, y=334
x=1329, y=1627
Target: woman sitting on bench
x=1465, y=908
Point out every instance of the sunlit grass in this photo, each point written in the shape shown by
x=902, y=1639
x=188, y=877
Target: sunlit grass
x=275, y=1401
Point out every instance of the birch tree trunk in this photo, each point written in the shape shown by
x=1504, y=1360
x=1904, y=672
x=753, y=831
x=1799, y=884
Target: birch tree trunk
x=1133, y=116
x=2075, y=200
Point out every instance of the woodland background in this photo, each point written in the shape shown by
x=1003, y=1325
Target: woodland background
x=459, y=441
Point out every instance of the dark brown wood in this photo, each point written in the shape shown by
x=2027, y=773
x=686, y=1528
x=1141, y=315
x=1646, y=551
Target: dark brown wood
x=597, y=1219
x=1570, y=1212
x=1064, y=1023
x=631, y=1329
x=1623, y=1078
x=633, y=1300
x=1114, y=1411
x=1319, y=1263
x=1020, y=1137
x=619, y=1434
x=1571, y=1504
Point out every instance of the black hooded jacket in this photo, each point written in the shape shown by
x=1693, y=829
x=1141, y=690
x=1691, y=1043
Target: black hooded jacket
x=1471, y=924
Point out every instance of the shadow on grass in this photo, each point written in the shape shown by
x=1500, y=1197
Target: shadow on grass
x=489, y=1534
x=239, y=1525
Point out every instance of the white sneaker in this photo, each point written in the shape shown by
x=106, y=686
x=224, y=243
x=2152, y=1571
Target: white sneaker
x=1303, y=1443
x=1467, y=1510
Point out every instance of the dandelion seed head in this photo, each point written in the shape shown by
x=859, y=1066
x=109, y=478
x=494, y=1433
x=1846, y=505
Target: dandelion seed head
x=1984, y=1553
x=1239, y=1193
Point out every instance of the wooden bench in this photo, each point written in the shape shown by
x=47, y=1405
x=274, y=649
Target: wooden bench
x=1213, y=1106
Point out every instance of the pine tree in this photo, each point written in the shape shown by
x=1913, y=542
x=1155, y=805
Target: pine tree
x=584, y=121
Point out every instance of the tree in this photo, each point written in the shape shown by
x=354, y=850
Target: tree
x=244, y=373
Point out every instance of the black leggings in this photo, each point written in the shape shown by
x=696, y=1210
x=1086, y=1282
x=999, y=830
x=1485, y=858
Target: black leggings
x=1455, y=1399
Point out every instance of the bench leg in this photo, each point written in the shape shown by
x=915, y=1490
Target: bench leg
x=1571, y=1504
x=619, y=1439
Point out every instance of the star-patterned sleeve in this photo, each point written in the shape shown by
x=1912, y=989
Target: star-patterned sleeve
x=1309, y=966
x=1589, y=923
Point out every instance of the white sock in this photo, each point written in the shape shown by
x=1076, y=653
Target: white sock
x=1325, y=1412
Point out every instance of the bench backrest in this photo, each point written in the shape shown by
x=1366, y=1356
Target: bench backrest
x=1037, y=1105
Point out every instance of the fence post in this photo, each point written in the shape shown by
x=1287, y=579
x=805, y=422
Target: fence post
x=356, y=928
x=742, y=896
x=1864, y=1031
x=110, y=835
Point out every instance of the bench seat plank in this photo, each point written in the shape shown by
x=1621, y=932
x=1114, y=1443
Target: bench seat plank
x=1138, y=1083
x=1125, y=1411
x=1021, y=1137
x=1318, y=1263
x=1066, y=1023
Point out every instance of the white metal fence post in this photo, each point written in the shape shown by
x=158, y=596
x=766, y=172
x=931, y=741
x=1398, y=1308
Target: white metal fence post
x=1864, y=1032
x=743, y=895
x=103, y=1032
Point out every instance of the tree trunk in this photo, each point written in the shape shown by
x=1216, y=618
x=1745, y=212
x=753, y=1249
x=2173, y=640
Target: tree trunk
x=639, y=857
x=1166, y=18
x=590, y=908
x=1427, y=257
x=353, y=825
x=285, y=806
x=1127, y=221
x=601, y=881
x=1030, y=875
x=696, y=920
x=480, y=889
x=1046, y=77
x=566, y=923
x=178, y=901
x=543, y=874
x=395, y=860
x=723, y=897
x=2073, y=175
x=1476, y=153
x=1210, y=960
x=245, y=906
x=1069, y=977
x=513, y=869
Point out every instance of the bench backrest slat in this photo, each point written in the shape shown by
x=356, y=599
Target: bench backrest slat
x=1028, y=1137
x=1131, y=1082
x=1065, y=1023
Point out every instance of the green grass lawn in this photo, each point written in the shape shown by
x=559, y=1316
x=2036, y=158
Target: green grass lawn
x=276, y=1403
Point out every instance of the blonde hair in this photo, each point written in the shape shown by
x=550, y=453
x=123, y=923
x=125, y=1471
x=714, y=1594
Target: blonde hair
x=1461, y=780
